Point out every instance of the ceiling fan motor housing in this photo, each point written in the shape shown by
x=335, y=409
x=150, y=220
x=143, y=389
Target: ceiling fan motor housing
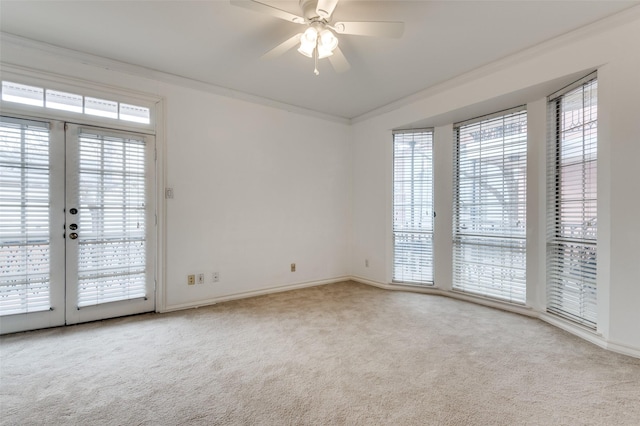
x=309, y=10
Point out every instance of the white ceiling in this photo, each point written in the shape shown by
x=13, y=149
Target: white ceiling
x=220, y=44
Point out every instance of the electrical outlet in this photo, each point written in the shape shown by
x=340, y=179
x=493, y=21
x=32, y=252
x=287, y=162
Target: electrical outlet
x=293, y=267
x=200, y=278
x=216, y=277
x=366, y=263
x=191, y=279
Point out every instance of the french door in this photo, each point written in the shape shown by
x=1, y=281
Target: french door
x=77, y=231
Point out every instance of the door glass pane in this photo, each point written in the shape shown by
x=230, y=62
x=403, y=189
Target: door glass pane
x=112, y=245
x=24, y=217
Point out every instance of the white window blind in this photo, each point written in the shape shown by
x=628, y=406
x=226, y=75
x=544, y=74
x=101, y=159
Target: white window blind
x=413, y=206
x=22, y=94
x=489, y=235
x=72, y=102
x=100, y=107
x=24, y=216
x=112, y=244
x=572, y=203
x=64, y=101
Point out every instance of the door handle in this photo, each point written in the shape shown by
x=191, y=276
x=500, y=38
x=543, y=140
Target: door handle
x=73, y=226
x=73, y=235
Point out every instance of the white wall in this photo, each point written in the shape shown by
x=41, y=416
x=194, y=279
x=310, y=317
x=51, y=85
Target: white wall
x=610, y=46
x=256, y=188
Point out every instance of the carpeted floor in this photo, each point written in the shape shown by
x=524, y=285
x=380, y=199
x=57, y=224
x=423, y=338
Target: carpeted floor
x=341, y=354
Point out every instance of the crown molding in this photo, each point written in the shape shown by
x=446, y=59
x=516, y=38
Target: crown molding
x=611, y=22
x=608, y=23
x=152, y=74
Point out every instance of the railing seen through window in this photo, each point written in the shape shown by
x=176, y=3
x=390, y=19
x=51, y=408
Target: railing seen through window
x=413, y=207
x=489, y=235
x=572, y=201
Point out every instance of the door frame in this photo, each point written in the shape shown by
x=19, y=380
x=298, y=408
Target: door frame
x=75, y=314
x=156, y=103
x=55, y=316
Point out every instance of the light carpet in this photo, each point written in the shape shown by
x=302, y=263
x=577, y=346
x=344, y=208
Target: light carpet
x=340, y=354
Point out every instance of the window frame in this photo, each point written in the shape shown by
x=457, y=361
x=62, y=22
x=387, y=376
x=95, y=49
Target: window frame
x=85, y=89
x=490, y=247
x=425, y=254
x=577, y=254
x=123, y=94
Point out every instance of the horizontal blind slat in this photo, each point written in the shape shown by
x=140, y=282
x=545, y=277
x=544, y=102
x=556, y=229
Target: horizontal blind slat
x=112, y=245
x=489, y=249
x=24, y=216
x=572, y=204
x=413, y=207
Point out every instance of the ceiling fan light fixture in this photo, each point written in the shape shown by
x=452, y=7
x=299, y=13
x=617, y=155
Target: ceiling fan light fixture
x=328, y=40
x=310, y=35
x=308, y=42
x=319, y=40
x=324, y=53
x=307, y=50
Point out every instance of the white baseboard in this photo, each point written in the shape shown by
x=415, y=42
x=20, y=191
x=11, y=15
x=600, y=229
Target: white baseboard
x=576, y=330
x=253, y=293
x=397, y=287
x=522, y=310
x=623, y=349
x=590, y=336
x=567, y=326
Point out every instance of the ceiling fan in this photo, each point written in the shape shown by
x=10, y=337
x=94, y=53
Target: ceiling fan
x=319, y=40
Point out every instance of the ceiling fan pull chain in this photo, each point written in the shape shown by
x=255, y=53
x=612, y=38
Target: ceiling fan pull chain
x=315, y=57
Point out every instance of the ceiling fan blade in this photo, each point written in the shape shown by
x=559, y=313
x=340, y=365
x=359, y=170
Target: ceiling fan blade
x=375, y=29
x=338, y=61
x=269, y=10
x=282, y=47
x=325, y=8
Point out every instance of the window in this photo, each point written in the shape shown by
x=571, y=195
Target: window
x=100, y=107
x=71, y=102
x=112, y=248
x=24, y=212
x=22, y=94
x=572, y=203
x=64, y=101
x=413, y=206
x=77, y=229
x=489, y=218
